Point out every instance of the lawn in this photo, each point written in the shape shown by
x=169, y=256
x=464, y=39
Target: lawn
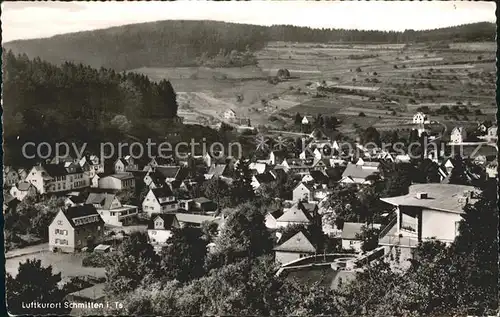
x=68, y=264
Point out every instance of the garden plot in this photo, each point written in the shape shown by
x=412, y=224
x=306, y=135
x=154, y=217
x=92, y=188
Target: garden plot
x=461, y=66
x=364, y=88
x=477, y=46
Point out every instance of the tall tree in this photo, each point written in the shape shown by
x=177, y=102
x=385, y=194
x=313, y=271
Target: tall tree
x=242, y=189
x=184, y=257
x=244, y=235
x=459, y=174
x=298, y=119
x=135, y=260
x=34, y=284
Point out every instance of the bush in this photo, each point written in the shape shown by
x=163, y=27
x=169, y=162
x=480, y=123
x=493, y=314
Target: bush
x=395, y=66
x=96, y=259
x=283, y=73
x=361, y=114
x=273, y=80
x=358, y=70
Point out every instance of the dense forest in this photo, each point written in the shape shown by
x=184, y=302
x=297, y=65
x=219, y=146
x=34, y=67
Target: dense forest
x=182, y=43
x=44, y=102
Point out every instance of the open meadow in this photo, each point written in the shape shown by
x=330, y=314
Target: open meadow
x=385, y=84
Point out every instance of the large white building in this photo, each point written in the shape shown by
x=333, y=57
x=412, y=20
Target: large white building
x=159, y=200
x=111, y=209
x=428, y=211
x=53, y=178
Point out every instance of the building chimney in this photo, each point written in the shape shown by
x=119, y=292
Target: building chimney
x=422, y=195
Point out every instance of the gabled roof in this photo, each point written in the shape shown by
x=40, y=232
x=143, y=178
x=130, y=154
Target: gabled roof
x=264, y=178
x=202, y=200
x=162, y=161
x=122, y=160
x=217, y=169
x=8, y=169
x=351, y=229
x=103, y=199
x=81, y=211
x=168, y=171
x=355, y=171
x=319, y=177
x=77, y=199
x=278, y=172
x=162, y=192
x=59, y=160
x=23, y=186
x=122, y=176
x=8, y=198
x=297, y=243
x=168, y=220
x=295, y=214
x=306, y=185
x=308, y=207
x=276, y=214
x=55, y=170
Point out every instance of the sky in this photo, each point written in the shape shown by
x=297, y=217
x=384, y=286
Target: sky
x=23, y=20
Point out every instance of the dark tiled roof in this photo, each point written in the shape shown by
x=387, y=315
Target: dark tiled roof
x=264, y=178
x=277, y=213
x=319, y=177
x=157, y=178
x=297, y=243
x=55, y=170
x=168, y=220
x=168, y=171
x=217, y=169
x=162, y=192
x=77, y=199
x=81, y=211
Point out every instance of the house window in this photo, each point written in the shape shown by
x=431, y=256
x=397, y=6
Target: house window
x=153, y=232
x=457, y=228
x=59, y=222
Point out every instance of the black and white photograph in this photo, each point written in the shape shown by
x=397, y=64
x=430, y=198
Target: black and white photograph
x=250, y=158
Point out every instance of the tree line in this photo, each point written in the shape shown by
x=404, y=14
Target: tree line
x=44, y=102
x=182, y=43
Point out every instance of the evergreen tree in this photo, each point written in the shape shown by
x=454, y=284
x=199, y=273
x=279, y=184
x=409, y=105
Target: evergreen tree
x=244, y=235
x=135, y=260
x=34, y=283
x=242, y=189
x=298, y=119
x=184, y=257
x=459, y=174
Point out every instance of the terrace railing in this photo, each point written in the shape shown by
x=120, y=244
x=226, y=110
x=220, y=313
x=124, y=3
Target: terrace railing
x=388, y=227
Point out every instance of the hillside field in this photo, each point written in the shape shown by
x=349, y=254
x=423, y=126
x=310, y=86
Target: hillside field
x=387, y=83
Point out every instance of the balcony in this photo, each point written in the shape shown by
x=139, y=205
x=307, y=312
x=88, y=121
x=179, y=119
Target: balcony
x=390, y=235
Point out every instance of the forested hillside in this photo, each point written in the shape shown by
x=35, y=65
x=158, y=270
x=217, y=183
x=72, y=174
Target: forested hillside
x=182, y=43
x=44, y=102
